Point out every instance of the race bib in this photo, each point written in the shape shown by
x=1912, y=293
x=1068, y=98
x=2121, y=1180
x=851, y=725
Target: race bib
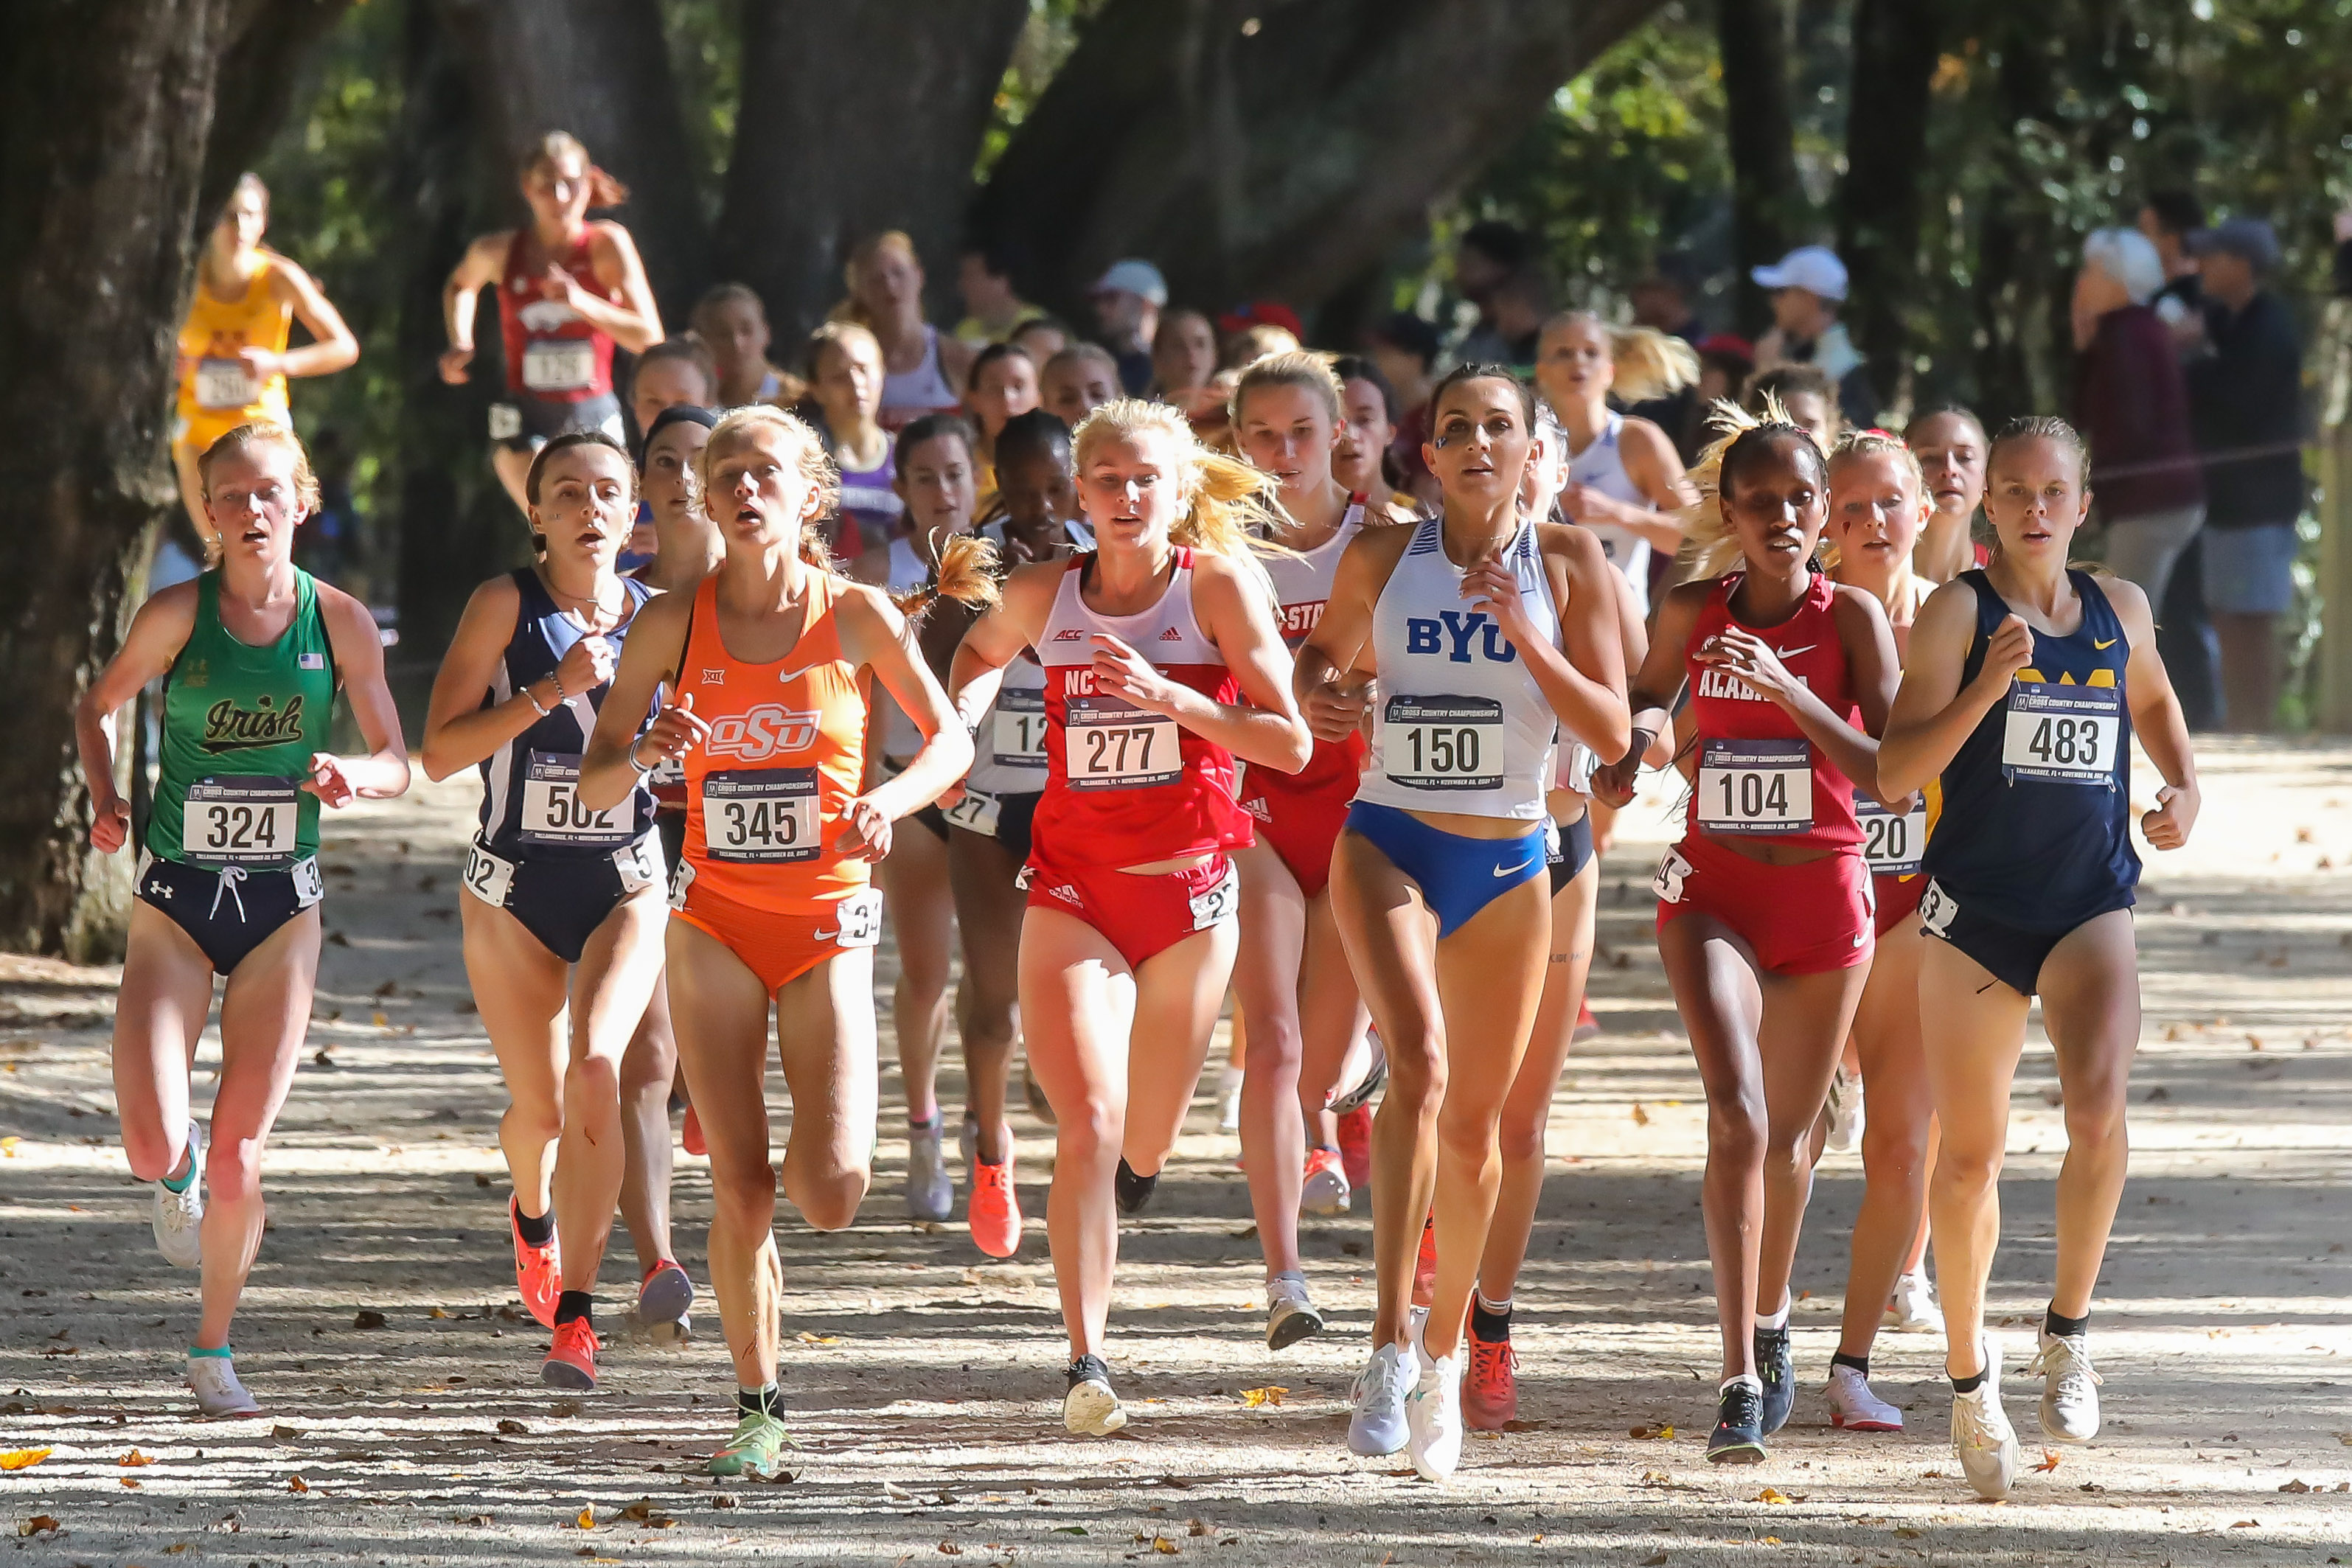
x=1756, y=785
x=760, y=816
x=559, y=364
x=224, y=384
x=1217, y=904
x=551, y=811
x=1443, y=743
x=1891, y=840
x=681, y=878
x=307, y=887
x=1669, y=883
x=488, y=876
x=1019, y=731
x=1114, y=745
x=506, y=422
x=1936, y=909
x=858, y=919
x=239, y=821
x=975, y=813
x=640, y=864
x=2062, y=734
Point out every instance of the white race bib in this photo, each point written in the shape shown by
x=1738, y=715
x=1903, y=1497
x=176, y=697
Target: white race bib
x=225, y=385
x=551, y=811
x=559, y=364
x=858, y=919
x=2062, y=734
x=1218, y=903
x=1891, y=840
x=1756, y=785
x=1018, y=734
x=1443, y=742
x=488, y=877
x=1936, y=909
x=760, y=816
x=307, y=887
x=506, y=422
x=975, y=813
x=245, y=821
x=1114, y=745
x=1669, y=883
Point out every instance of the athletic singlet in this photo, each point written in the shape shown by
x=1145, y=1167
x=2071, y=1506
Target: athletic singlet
x=908, y=395
x=1757, y=774
x=240, y=726
x=1892, y=841
x=1009, y=742
x=2036, y=827
x=1601, y=466
x=1125, y=786
x=1302, y=584
x=1460, y=725
x=219, y=393
x=900, y=738
x=553, y=354
x=531, y=786
x=764, y=794
x=866, y=493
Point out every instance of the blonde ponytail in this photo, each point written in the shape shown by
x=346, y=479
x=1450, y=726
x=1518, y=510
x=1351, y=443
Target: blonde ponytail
x=1230, y=509
x=967, y=573
x=1650, y=363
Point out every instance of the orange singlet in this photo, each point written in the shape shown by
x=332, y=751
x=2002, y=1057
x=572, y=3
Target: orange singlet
x=765, y=794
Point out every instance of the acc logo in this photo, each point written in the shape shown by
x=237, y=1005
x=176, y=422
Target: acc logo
x=1450, y=633
x=762, y=733
x=1070, y=634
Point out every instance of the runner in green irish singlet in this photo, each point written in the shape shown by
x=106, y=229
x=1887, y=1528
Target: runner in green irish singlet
x=252, y=654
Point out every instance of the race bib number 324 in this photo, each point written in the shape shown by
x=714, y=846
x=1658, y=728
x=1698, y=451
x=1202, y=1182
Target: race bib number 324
x=239, y=821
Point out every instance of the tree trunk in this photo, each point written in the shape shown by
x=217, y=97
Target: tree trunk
x=599, y=70
x=97, y=215
x=1895, y=48
x=2013, y=282
x=859, y=115
x=1767, y=201
x=259, y=73
x=1274, y=150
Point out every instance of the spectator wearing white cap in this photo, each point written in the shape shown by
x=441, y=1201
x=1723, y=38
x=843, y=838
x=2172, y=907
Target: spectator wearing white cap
x=1127, y=300
x=1808, y=285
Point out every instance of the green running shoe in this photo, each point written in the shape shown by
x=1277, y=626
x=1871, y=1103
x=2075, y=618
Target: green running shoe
x=756, y=1448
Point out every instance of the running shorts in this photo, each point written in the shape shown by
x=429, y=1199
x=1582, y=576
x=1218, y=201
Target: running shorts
x=1140, y=916
x=1898, y=898
x=2009, y=953
x=1301, y=828
x=563, y=899
x=1803, y=919
x=780, y=948
x=1458, y=876
x=228, y=913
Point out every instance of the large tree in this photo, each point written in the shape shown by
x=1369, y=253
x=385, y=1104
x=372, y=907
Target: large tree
x=1766, y=198
x=1895, y=47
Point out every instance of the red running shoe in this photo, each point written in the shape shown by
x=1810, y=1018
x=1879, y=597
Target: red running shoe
x=571, y=1360
x=993, y=1211
x=539, y=1275
x=690, y=1135
x=1424, y=1268
x=1356, y=1148
x=1491, y=1396
x=665, y=1304
x=1323, y=1186
x=1587, y=1026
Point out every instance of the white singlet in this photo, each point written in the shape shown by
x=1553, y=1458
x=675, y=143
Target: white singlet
x=900, y=738
x=1601, y=466
x=1303, y=582
x=1008, y=744
x=923, y=390
x=1459, y=724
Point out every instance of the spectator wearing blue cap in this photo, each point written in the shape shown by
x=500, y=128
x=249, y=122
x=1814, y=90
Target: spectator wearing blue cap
x=1127, y=300
x=1808, y=285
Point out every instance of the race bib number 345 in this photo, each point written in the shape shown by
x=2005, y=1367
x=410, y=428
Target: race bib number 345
x=239, y=821
x=1114, y=745
x=1756, y=785
x=760, y=816
x=1443, y=742
x=2062, y=734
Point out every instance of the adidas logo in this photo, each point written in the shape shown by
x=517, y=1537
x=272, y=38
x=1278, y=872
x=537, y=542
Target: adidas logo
x=1067, y=894
x=1259, y=809
x=1172, y=635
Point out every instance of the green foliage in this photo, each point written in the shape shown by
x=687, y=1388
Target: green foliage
x=708, y=67
x=1045, y=41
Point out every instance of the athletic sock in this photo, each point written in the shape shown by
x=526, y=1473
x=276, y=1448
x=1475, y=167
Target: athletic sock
x=922, y=1125
x=1774, y=1323
x=179, y=1183
x=572, y=1304
x=535, y=1232
x=1488, y=1320
x=1748, y=1378
x=758, y=1401
x=2057, y=1327
x=1859, y=1363
x=1969, y=1383
x=195, y=1350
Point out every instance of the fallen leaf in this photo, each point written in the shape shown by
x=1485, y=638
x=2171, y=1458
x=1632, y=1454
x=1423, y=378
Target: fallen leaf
x=436, y=1313
x=8, y=1147
x=807, y=1338
x=175, y=1549
x=1196, y=1528
x=726, y=1500
x=284, y=1434
x=1905, y=1532
x=2050, y=1460
x=127, y=1482
x=26, y=1459
x=133, y=1460
x=512, y=1428
x=1641, y=1117
x=2297, y=1486
x=1164, y=1546
x=39, y=1524
x=1656, y=1561
x=1068, y=1530
x=1771, y=1494
x=295, y=1483
x=2247, y=1524
x=587, y=1520
x=1654, y=1433
x=1271, y=1395
x=950, y=1548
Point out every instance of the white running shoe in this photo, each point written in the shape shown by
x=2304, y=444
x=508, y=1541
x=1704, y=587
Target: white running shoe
x=1290, y=1316
x=1845, y=1113
x=1378, y=1424
x=1982, y=1435
x=1090, y=1409
x=180, y=1216
x=1912, y=1308
x=930, y=1191
x=1433, y=1415
x=1229, y=1099
x=213, y=1380
x=1854, y=1406
x=2070, y=1392
x=1324, y=1190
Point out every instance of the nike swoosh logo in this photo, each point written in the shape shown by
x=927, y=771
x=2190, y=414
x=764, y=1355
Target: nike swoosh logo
x=1512, y=871
x=1793, y=653
x=2108, y=644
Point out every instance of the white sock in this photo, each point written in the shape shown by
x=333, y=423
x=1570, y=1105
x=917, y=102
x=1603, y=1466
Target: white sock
x=1778, y=1320
x=1748, y=1378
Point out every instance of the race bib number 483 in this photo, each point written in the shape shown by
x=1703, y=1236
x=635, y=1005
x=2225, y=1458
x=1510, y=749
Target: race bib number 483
x=2062, y=734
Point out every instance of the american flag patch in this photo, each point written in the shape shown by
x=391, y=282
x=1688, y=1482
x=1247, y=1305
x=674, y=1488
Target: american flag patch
x=310, y=661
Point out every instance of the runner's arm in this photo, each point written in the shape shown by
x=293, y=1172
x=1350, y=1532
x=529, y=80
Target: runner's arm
x=634, y=323
x=459, y=731
x=158, y=633
x=359, y=660
x=1328, y=672
x=1015, y=621
x=476, y=270
x=1583, y=678
x=1932, y=716
x=1656, y=470
x=2157, y=717
x=877, y=637
x=608, y=770
x=336, y=348
x=1264, y=728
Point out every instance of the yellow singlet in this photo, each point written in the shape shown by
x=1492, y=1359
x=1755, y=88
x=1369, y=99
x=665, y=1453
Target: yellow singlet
x=218, y=393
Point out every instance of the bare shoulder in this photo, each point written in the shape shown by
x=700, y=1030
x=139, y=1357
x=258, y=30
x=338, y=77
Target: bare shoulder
x=606, y=237
x=1382, y=545
x=2129, y=598
x=1642, y=436
x=1579, y=547
x=168, y=610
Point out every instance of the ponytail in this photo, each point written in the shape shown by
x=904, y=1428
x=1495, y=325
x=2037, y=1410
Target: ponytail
x=1648, y=363
x=967, y=573
x=1230, y=506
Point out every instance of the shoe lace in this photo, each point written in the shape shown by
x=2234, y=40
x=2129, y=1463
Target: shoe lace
x=2070, y=1359
x=753, y=1426
x=1741, y=1407
x=575, y=1336
x=1491, y=1360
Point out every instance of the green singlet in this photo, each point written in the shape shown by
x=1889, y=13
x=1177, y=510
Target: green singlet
x=240, y=726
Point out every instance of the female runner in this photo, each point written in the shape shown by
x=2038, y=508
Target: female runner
x=569, y=291
x=1004, y=384
x=845, y=366
x=1437, y=881
x=233, y=359
x=2025, y=684
x=1764, y=915
x=1368, y=417
x=731, y=320
x=1950, y=445
x=563, y=911
x=765, y=665
x=251, y=655
x=924, y=369
x=1162, y=663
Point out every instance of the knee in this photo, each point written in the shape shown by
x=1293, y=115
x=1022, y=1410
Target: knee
x=829, y=1201
x=1520, y=1135
x=544, y=1122
x=1736, y=1125
x=1272, y=1047
x=1891, y=1152
x=742, y=1196
x=233, y=1168
x=1417, y=1075
x=1960, y=1168
x=2095, y=1122
x=593, y=1084
x=1094, y=1129
x=1465, y=1135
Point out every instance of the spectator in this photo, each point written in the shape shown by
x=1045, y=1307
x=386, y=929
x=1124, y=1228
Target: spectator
x=2246, y=398
x=2130, y=404
x=2171, y=220
x=1805, y=394
x=992, y=311
x=1127, y=300
x=1495, y=269
x=1808, y=286
x=2184, y=633
x=1661, y=301
x=1076, y=382
x=1404, y=346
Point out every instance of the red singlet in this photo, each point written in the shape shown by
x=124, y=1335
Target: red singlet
x=553, y=354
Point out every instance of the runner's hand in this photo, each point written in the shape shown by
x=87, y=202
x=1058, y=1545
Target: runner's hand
x=587, y=664
x=868, y=835
x=327, y=782
x=675, y=731
x=2167, y=827
x=1335, y=709
x=2010, y=649
x=1492, y=587
x=1122, y=671
x=261, y=362
x=109, y=824
x=1613, y=783
x=453, y=365
x=1749, y=660
x=559, y=287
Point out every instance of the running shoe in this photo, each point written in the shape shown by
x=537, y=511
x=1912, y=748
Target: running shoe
x=179, y=1217
x=1090, y=1409
x=756, y=1448
x=690, y=1134
x=1433, y=1414
x=994, y=1210
x=1739, y=1436
x=538, y=1275
x=1844, y=1113
x=1912, y=1308
x=1325, y=1188
x=1132, y=1191
x=1290, y=1316
x=2069, y=1391
x=1982, y=1435
x=1369, y=1084
x=1356, y=1148
x=1776, y=1364
x=1854, y=1406
x=1587, y=1026
x=1490, y=1399
x=1229, y=1099
x=1425, y=1266
x=571, y=1360
x=1377, y=1425
x=665, y=1302
x=930, y=1191
x=213, y=1380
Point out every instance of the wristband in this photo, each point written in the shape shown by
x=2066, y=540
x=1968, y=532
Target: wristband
x=642, y=768
x=544, y=710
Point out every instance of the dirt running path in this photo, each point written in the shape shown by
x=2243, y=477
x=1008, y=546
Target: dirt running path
x=925, y=1384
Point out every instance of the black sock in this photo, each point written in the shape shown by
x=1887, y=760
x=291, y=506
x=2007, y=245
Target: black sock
x=1859, y=1363
x=758, y=1401
x=2057, y=1327
x=536, y=1232
x=1969, y=1383
x=924, y=1126
x=573, y=1305
x=1487, y=1324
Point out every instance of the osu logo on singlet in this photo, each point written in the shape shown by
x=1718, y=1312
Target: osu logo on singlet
x=762, y=733
x=228, y=728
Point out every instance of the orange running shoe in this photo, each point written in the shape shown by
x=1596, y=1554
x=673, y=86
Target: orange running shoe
x=1424, y=1268
x=689, y=1135
x=1356, y=1148
x=1323, y=1187
x=571, y=1360
x=537, y=1273
x=1491, y=1396
x=1587, y=1026
x=994, y=1208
